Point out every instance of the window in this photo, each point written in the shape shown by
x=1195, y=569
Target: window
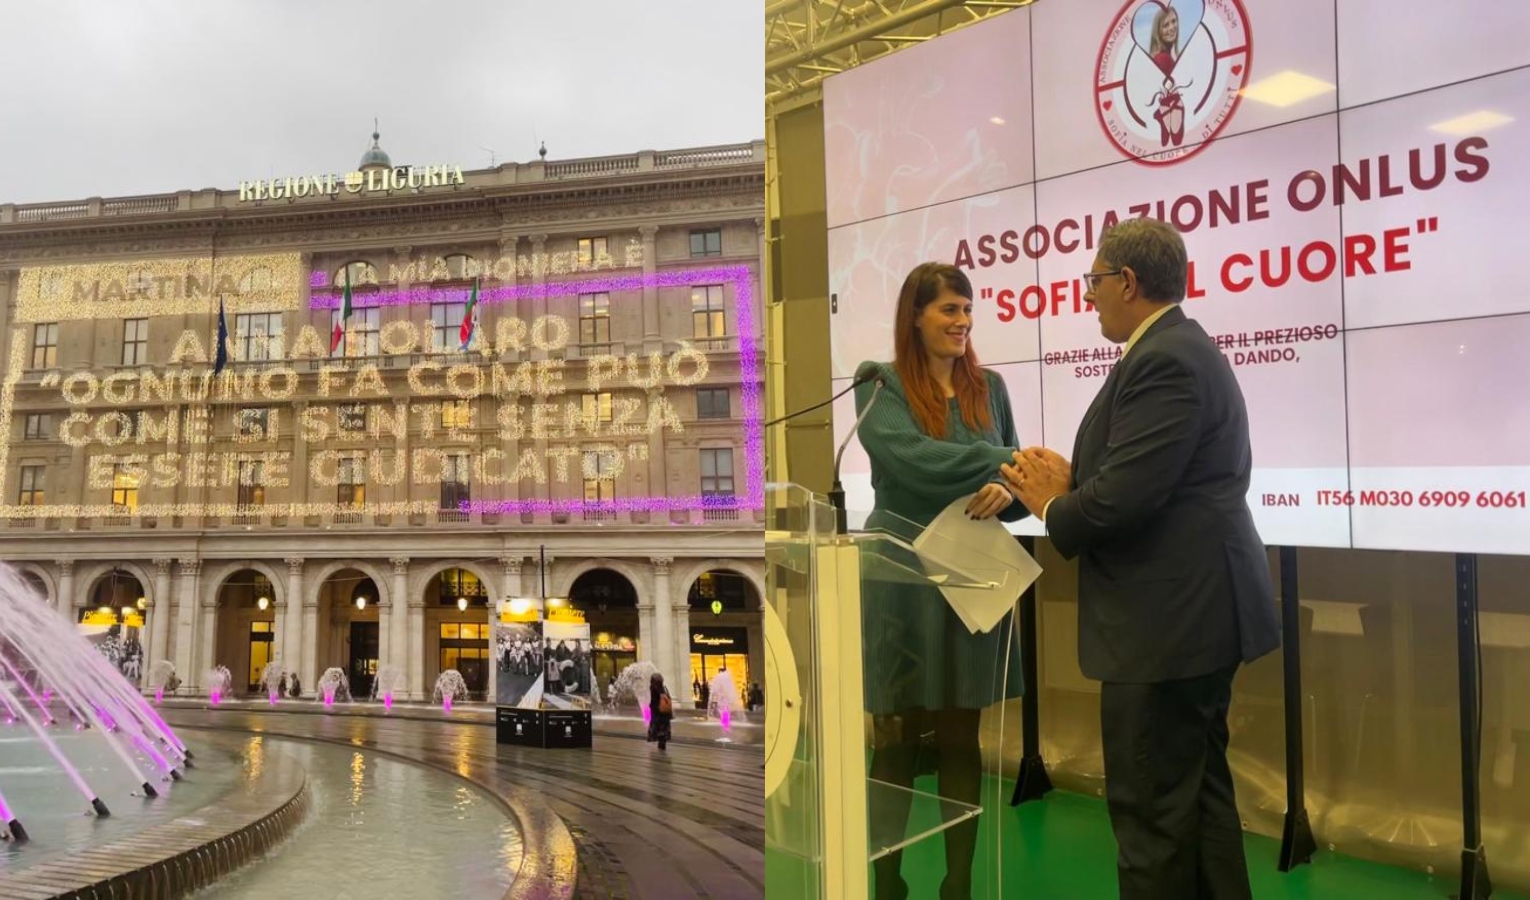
x=599, y=481
x=717, y=471
x=454, y=482
x=459, y=267
x=712, y=403
x=45, y=345
x=128, y=425
x=32, y=478
x=593, y=252
x=447, y=319
x=252, y=484
x=597, y=407
x=454, y=583
x=352, y=487
x=353, y=417
x=594, y=318
x=254, y=422
x=707, y=311
x=124, y=488
x=360, y=272
x=360, y=337
x=135, y=342
x=258, y=336
x=457, y=414
x=706, y=243
x=37, y=427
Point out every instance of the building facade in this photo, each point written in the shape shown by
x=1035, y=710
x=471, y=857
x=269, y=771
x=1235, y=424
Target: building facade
x=333, y=421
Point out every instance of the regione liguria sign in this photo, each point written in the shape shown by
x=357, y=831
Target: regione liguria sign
x=1169, y=76
x=368, y=182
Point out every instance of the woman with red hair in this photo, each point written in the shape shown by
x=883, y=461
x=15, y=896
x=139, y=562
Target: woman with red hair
x=939, y=430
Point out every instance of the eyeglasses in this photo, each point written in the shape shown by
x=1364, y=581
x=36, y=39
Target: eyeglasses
x=1093, y=278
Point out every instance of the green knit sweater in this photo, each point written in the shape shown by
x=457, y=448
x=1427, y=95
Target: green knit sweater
x=916, y=476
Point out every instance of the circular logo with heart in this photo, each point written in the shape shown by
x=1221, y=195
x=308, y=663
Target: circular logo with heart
x=1170, y=75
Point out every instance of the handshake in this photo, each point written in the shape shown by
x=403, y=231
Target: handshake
x=1036, y=477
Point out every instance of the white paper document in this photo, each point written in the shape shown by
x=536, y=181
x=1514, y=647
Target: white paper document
x=985, y=550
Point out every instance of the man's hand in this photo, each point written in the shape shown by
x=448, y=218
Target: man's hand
x=1037, y=476
x=990, y=501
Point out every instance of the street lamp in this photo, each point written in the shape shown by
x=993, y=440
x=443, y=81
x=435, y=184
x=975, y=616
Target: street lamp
x=263, y=602
x=462, y=604
x=361, y=602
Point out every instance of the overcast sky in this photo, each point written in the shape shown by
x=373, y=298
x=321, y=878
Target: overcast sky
x=119, y=97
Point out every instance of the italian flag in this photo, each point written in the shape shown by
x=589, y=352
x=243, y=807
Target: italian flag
x=345, y=315
x=469, y=318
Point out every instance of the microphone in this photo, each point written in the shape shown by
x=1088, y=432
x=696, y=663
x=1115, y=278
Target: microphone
x=869, y=376
x=837, y=495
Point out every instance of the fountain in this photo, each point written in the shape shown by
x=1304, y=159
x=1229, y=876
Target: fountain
x=634, y=680
x=332, y=684
x=725, y=699
x=389, y=681
x=271, y=680
x=44, y=663
x=162, y=676
x=449, y=685
x=220, y=683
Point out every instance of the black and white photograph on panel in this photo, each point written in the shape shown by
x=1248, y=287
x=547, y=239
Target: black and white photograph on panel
x=518, y=655
x=566, y=663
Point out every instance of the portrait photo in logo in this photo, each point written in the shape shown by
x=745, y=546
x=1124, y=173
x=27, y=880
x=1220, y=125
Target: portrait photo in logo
x=1169, y=76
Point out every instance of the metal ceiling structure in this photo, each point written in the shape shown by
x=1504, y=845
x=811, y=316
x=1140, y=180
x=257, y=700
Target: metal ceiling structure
x=808, y=40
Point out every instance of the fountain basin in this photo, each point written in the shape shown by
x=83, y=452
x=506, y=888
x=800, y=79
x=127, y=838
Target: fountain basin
x=186, y=853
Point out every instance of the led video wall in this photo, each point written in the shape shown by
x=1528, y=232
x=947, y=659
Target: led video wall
x=1350, y=179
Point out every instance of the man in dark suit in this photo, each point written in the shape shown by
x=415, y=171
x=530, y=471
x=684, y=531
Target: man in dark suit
x=1174, y=586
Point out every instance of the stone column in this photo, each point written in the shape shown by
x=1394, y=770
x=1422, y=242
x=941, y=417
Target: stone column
x=681, y=612
x=398, y=599
x=298, y=480
x=539, y=271
x=508, y=244
x=663, y=622
x=417, y=690
x=647, y=645
x=6, y=280
x=308, y=662
x=159, y=614
x=652, y=333
x=401, y=491
x=291, y=650
x=185, y=624
x=207, y=636
x=401, y=259
x=65, y=598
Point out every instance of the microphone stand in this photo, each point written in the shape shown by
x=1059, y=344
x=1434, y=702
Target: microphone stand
x=837, y=494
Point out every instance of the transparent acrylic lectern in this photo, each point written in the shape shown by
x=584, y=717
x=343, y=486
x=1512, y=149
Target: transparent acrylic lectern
x=862, y=659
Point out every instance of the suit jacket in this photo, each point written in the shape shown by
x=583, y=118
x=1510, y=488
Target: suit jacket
x=1173, y=578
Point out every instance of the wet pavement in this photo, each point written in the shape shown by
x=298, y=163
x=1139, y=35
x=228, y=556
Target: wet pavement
x=688, y=822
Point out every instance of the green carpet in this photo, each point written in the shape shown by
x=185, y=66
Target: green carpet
x=1061, y=848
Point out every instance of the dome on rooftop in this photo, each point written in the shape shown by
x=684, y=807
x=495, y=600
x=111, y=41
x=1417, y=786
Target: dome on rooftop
x=375, y=158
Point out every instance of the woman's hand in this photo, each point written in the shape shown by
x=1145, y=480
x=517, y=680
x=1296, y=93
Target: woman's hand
x=990, y=501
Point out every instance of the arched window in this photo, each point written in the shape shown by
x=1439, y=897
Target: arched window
x=455, y=267
x=361, y=273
